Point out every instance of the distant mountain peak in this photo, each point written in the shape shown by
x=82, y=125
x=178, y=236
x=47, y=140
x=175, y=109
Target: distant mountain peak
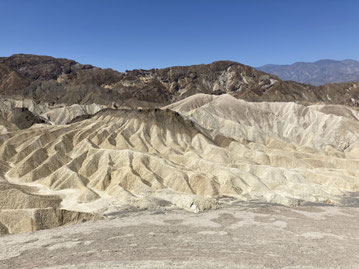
x=316, y=73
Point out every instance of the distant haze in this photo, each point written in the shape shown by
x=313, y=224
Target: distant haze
x=316, y=73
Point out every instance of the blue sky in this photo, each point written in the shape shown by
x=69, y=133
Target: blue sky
x=156, y=33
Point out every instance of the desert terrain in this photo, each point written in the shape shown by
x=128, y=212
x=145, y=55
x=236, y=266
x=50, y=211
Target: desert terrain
x=241, y=236
x=207, y=164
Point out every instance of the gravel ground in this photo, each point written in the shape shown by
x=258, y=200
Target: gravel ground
x=240, y=236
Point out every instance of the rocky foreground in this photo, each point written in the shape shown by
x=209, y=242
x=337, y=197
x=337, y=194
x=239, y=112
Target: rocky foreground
x=239, y=236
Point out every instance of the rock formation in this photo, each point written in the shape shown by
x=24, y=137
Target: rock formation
x=62, y=162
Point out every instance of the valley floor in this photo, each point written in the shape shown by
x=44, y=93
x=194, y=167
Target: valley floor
x=238, y=236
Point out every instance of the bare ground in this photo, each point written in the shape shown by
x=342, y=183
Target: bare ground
x=239, y=236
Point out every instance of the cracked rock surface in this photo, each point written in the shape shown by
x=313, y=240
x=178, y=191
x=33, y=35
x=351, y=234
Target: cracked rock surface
x=238, y=236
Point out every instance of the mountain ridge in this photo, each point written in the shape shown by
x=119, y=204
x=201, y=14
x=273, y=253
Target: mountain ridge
x=316, y=73
x=45, y=79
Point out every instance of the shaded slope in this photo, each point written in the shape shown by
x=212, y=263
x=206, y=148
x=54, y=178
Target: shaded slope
x=23, y=210
x=36, y=67
x=24, y=113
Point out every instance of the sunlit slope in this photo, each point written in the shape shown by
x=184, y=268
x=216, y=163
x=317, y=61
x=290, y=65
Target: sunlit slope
x=191, y=155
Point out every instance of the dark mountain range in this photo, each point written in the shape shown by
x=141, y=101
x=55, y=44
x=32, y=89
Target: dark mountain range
x=316, y=73
x=51, y=80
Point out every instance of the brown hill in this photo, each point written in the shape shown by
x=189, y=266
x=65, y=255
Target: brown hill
x=36, y=67
x=54, y=81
